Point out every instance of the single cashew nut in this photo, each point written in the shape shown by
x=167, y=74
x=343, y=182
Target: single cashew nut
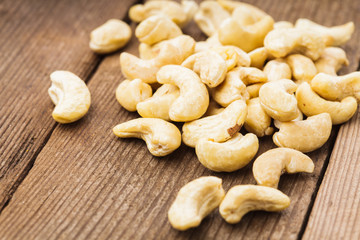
x=277, y=69
x=257, y=120
x=305, y=136
x=331, y=60
x=195, y=201
x=302, y=68
x=258, y=57
x=173, y=51
x=161, y=137
x=194, y=97
x=213, y=109
x=251, y=75
x=283, y=24
x=336, y=88
x=270, y=165
x=70, y=95
x=278, y=99
x=233, y=56
x=254, y=90
x=284, y=41
x=109, y=37
x=312, y=104
x=219, y=128
x=228, y=156
x=242, y=199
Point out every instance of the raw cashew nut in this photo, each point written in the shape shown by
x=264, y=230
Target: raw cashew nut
x=331, y=60
x=161, y=137
x=228, y=156
x=210, y=42
x=332, y=36
x=213, y=109
x=270, y=165
x=311, y=104
x=70, y=95
x=209, y=65
x=173, y=51
x=156, y=29
x=258, y=57
x=283, y=24
x=233, y=56
x=242, y=199
x=194, y=97
x=210, y=16
x=305, y=136
x=219, y=128
x=109, y=37
x=336, y=88
x=300, y=117
x=257, y=120
x=254, y=90
x=303, y=68
x=159, y=104
x=278, y=99
x=251, y=75
x=277, y=69
x=195, y=201
x=284, y=41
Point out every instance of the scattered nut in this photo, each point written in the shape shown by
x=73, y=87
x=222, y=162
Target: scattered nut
x=303, y=68
x=258, y=57
x=331, y=60
x=251, y=75
x=277, y=69
x=233, y=56
x=254, y=90
x=257, y=120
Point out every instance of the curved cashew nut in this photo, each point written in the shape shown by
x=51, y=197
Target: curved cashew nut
x=228, y=156
x=302, y=68
x=270, y=165
x=251, y=75
x=209, y=43
x=331, y=60
x=258, y=57
x=242, y=199
x=257, y=121
x=159, y=104
x=300, y=117
x=284, y=41
x=277, y=69
x=194, y=97
x=219, y=128
x=156, y=29
x=109, y=37
x=311, y=104
x=173, y=51
x=70, y=95
x=305, y=136
x=161, y=137
x=283, y=24
x=337, y=88
x=333, y=36
x=278, y=100
x=195, y=201
x=233, y=56
x=254, y=89
x=130, y=93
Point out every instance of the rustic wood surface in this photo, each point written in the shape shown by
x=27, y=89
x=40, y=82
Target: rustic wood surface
x=79, y=181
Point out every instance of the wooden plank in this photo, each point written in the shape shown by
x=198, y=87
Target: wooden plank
x=87, y=184
x=38, y=37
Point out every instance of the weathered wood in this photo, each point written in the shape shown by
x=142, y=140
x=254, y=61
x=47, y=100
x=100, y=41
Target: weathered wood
x=38, y=37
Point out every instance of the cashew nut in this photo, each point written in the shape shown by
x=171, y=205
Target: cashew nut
x=70, y=95
x=228, y=156
x=300, y=117
x=311, y=104
x=213, y=109
x=242, y=199
x=331, y=60
x=254, y=89
x=209, y=43
x=219, y=128
x=194, y=97
x=251, y=75
x=278, y=100
x=195, y=201
x=257, y=121
x=302, y=68
x=258, y=57
x=161, y=137
x=173, y=51
x=109, y=37
x=277, y=69
x=270, y=165
x=233, y=56
x=283, y=24
x=305, y=136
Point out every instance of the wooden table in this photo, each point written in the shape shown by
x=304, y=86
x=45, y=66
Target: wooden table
x=79, y=181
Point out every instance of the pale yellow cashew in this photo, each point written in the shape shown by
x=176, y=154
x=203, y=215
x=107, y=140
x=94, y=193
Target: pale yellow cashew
x=278, y=99
x=283, y=24
x=213, y=109
x=257, y=120
x=254, y=90
x=210, y=42
x=233, y=56
x=305, y=136
x=332, y=36
x=277, y=69
x=230, y=6
x=258, y=57
x=270, y=165
x=331, y=60
x=194, y=97
x=336, y=88
x=173, y=51
x=70, y=95
x=303, y=68
x=251, y=75
x=159, y=104
x=160, y=136
x=242, y=199
x=219, y=128
x=195, y=201
x=311, y=104
x=284, y=41
x=300, y=117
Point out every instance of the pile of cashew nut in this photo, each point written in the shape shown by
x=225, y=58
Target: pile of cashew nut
x=251, y=71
